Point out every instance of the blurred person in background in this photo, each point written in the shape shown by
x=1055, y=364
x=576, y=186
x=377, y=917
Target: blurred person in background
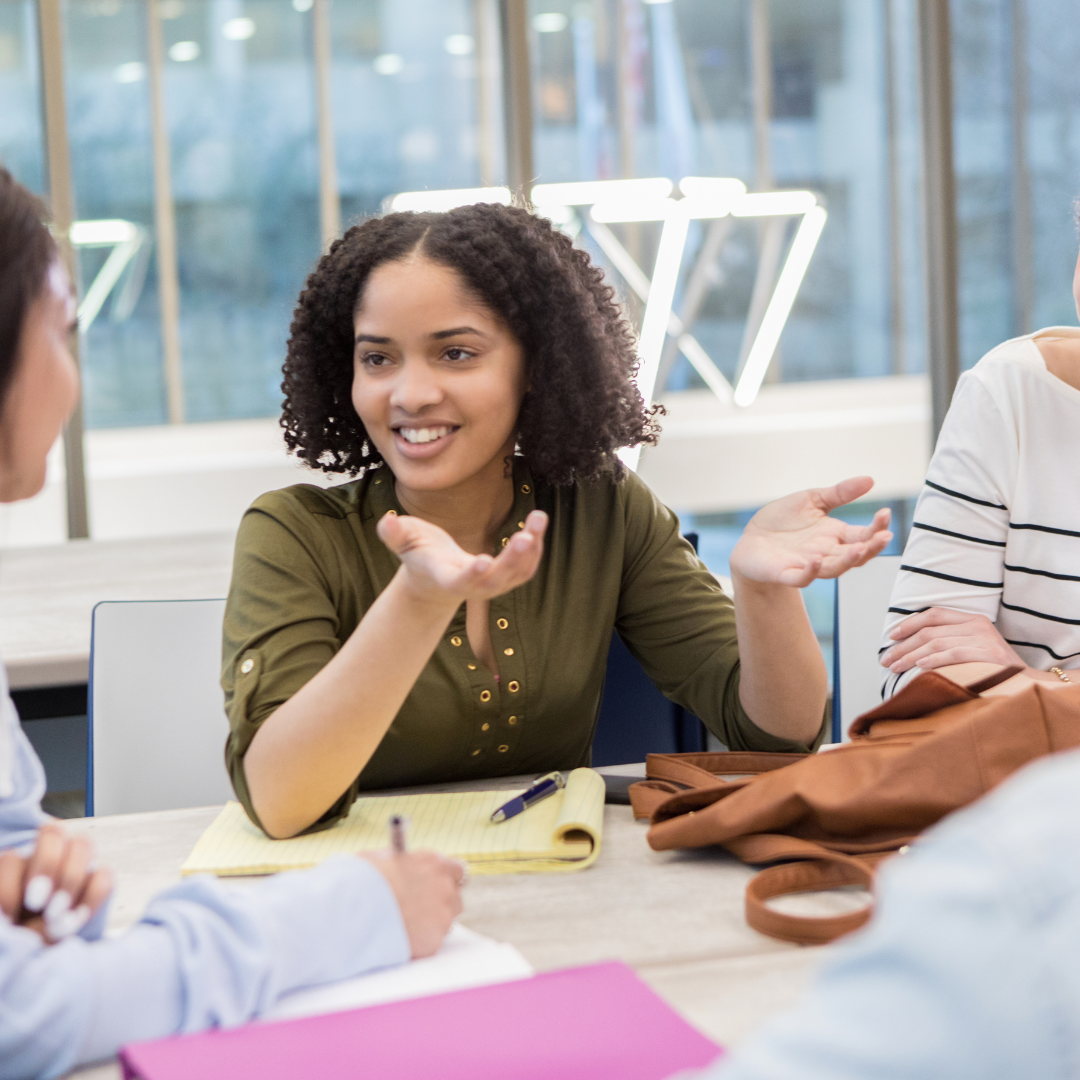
x=991, y=571
x=202, y=955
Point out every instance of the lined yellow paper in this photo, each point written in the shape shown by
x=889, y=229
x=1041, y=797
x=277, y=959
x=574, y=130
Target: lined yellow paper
x=560, y=833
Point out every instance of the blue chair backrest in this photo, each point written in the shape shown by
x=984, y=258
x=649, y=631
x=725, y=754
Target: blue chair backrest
x=635, y=718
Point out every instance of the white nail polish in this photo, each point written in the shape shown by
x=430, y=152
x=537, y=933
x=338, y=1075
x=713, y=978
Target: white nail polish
x=59, y=905
x=38, y=890
x=71, y=922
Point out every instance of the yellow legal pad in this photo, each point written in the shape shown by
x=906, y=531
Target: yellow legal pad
x=560, y=833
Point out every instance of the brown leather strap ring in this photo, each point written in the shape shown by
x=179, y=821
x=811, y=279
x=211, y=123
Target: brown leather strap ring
x=809, y=876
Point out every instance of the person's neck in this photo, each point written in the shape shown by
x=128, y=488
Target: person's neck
x=473, y=511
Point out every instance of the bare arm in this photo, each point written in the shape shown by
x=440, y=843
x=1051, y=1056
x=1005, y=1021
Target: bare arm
x=311, y=748
x=786, y=545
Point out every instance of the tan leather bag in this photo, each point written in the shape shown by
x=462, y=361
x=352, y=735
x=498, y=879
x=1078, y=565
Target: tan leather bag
x=828, y=819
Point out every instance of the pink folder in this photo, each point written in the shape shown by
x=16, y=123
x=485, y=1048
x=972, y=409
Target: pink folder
x=594, y=1023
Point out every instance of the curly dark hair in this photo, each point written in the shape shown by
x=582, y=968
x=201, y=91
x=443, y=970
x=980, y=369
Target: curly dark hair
x=582, y=404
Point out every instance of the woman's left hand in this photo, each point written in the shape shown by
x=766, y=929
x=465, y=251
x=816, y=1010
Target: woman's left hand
x=56, y=890
x=793, y=540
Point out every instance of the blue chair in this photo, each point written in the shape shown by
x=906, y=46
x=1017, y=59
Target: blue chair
x=635, y=718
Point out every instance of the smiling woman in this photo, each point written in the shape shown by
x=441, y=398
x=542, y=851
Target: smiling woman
x=447, y=615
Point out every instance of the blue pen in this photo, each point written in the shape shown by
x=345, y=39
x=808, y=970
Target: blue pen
x=540, y=789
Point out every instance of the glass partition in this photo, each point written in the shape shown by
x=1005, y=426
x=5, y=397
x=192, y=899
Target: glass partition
x=113, y=181
x=792, y=94
x=21, y=138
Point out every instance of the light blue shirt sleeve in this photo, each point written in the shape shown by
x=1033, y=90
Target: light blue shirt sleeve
x=204, y=955
x=22, y=779
x=969, y=968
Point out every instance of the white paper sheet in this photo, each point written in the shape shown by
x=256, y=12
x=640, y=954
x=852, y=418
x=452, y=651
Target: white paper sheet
x=466, y=959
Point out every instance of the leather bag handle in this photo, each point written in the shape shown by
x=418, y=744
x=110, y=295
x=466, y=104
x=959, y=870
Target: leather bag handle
x=829, y=872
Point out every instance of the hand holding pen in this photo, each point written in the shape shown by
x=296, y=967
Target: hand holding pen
x=426, y=886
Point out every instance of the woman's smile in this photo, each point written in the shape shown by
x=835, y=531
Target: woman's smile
x=423, y=441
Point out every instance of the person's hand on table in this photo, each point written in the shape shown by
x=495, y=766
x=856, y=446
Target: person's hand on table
x=56, y=890
x=940, y=637
x=435, y=566
x=793, y=540
x=428, y=891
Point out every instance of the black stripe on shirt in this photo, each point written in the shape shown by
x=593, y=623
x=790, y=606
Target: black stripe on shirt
x=907, y=611
x=959, y=536
x=1041, y=614
x=961, y=495
x=1043, y=528
x=1045, y=648
x=953, y=577
x=1042, y=573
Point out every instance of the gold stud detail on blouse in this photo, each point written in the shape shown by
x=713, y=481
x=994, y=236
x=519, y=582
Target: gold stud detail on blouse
x=485, y=727
x=391, y=513
x=521, y=524
x=508, y=652
x=512, y=721
x=503, y=748
x=502, y=624
x=485, y=695
x=455, y=641
x=247, y=665
x=475, y=752
x=505, y=541
x=472, y=667
x=525, y=489
x=513, y=686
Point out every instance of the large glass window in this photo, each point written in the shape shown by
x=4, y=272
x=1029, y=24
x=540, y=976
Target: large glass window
x=1017, y=160
x=112, y=177
x=627, y=88
x=21, y=142
x=239, y=96
x=405, y=99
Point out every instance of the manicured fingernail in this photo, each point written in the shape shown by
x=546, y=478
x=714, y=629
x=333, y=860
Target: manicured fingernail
x=38, y=890
x=59, y=905
x=71, y=922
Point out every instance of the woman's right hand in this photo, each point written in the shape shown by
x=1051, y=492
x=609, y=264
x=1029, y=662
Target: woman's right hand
x=436, y=567
x=427, y=888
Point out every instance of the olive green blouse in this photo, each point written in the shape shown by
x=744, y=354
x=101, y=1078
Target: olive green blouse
x=309, y=564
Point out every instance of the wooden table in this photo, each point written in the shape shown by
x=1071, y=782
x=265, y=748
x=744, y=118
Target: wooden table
x=675, y=917
x=47, y=595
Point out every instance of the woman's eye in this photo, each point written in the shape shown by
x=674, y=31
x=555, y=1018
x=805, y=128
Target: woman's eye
x=374, y=360
x=458, y=354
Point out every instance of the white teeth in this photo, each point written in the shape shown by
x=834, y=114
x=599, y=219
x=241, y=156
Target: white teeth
x=423, y=435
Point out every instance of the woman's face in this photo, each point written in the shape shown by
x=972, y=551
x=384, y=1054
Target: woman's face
x=43, y=391
x=437, y=379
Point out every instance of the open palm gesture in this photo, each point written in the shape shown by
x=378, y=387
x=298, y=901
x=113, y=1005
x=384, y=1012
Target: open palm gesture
x=793, y=540
x=437, y=567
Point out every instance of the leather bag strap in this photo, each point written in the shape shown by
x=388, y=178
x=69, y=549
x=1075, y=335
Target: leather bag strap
x=812, y=875
x=701, y=770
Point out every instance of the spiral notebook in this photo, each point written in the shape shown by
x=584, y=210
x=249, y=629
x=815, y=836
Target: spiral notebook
x=560, y=833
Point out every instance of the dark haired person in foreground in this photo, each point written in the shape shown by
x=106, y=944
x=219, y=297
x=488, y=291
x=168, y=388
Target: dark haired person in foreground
x=203, y=955
x=970, y=966
x=447, y=616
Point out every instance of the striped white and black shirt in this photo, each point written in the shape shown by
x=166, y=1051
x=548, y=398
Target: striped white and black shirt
x=997, y=526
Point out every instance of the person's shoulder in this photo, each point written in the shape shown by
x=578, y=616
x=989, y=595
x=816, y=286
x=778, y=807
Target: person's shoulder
x=303, y=501
x=622, y=489
x=1017, y=357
